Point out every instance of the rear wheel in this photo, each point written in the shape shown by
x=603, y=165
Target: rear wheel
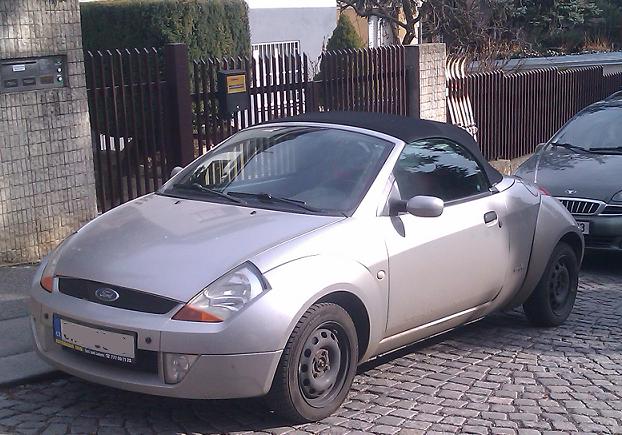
x=552, y=301
x=318, y=365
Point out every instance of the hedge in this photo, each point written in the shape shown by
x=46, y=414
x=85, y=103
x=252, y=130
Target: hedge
x=344, y=36
x=208, y=27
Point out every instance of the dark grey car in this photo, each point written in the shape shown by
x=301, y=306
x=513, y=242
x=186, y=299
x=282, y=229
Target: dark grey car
x=582, y=167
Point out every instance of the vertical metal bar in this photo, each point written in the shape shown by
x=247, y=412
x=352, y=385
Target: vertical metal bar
x=136, y=134
x=94, y=111
x=125, y=117
x=143, y=119
x=365, y=79
x=152, y=121
x=313, y=96
x=274, y=110
x=106, y=128
x=208, y=108
x=198, y=101
x=239, y=65
x=165, y=168
x=179, y=104
x=299, y=81
x=216, y=127
x=115, y=128
x=262, y=87
x=283, y=85
x=331, y=98
x=254, y=113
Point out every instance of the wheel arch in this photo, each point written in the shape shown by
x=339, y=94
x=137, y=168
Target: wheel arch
x=357, y=311
x=554, y=225
x=575, y=242
x=331, y=278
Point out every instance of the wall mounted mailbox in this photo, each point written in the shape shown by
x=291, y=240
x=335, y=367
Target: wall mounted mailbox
x=233, y=91
x=20, y=75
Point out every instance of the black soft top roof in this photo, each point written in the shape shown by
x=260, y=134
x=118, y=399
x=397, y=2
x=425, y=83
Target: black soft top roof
x=400, y=127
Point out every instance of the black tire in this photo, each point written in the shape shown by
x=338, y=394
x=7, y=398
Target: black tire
x=552, y=300
x=325, y=334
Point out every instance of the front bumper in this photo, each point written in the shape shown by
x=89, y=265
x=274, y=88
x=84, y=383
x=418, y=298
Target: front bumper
x=605, y=232
x=212, y=376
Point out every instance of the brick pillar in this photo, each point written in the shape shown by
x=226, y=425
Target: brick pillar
x=425, y=74
x=47, y=183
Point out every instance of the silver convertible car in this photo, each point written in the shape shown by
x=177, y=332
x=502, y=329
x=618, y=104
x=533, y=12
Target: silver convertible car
x=296, y=250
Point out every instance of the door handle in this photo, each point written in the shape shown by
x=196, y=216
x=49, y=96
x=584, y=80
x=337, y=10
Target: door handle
x=489, y=217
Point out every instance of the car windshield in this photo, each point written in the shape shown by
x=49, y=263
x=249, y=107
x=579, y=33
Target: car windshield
x=599, y=128
x=295, y=168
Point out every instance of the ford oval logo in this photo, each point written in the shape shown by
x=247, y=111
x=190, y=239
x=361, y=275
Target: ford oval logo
x=106, y=294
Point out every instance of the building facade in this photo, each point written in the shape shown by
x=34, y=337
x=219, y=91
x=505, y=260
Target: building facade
x=304, y=24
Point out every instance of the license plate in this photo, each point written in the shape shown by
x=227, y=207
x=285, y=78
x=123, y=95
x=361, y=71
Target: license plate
x=102, y=343
x=584, y=227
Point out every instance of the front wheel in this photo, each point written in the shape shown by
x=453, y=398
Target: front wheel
x=317, y=366
x=552, y=300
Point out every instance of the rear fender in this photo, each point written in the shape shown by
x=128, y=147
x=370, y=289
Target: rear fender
x=554, y=224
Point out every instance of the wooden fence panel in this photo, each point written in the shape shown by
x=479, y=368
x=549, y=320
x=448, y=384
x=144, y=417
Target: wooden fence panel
x=513, y=112
x=125, y=92
x=372, y=80
x=280, y=86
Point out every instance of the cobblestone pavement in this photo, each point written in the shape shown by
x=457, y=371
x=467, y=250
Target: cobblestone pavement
x=497, y=376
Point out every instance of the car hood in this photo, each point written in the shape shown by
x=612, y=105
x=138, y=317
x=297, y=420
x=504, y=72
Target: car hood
x=175, y=247
x=569, y=174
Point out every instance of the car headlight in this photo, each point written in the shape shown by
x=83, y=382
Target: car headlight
x=225, y=296
x=47, y=277
x=617, y=197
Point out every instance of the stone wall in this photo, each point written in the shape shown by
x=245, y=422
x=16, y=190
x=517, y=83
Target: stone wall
x=47, y=185
x=425, y=65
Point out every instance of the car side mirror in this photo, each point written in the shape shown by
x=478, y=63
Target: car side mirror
x=176, y=170
x=425, y=206
x=539, y=147
x=421, y=206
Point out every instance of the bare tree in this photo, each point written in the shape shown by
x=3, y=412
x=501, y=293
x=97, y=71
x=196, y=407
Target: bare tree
x=398, y=14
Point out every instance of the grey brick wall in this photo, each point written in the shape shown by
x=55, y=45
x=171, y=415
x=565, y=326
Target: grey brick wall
x=47, y=185
x=432, y=62
x=425, y=64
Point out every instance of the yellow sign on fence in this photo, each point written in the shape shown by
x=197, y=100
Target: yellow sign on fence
x=236, y=84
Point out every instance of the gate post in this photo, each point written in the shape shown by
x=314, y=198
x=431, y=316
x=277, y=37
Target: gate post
x=179, y=105
x=425, y=81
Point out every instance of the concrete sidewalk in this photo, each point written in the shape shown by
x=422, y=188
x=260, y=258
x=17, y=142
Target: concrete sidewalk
x=18, y=361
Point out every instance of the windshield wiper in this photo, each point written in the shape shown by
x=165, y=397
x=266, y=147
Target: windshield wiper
x=604, y=150
x=200, y=188
x=272, y=198
x=572, y=147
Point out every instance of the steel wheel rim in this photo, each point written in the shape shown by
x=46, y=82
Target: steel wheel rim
x=323, y=364
x=560, y=285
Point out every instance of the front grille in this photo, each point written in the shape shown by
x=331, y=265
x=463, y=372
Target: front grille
x=128, y=299
x=613, y=210
x=583, y=207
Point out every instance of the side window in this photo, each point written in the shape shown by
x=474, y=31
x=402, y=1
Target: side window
x=441, y=168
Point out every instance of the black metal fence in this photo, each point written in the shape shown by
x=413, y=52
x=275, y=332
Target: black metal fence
x=150, y=111
x=126, y=92
x=276, y=88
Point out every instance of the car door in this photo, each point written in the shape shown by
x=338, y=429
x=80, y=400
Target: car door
x=442, y=266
